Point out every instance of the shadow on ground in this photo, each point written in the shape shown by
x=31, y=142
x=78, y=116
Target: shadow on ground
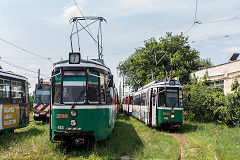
x=124, y=142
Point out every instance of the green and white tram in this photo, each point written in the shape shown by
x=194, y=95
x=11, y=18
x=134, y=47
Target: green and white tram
x=14, y=104
x=159, y=104
x=83, y=101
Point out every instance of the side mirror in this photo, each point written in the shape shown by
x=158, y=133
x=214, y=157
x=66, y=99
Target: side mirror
x=111, y=81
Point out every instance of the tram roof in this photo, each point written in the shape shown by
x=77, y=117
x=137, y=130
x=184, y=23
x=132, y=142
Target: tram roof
x=94, y=63
x=160, y=83
x=12, y=75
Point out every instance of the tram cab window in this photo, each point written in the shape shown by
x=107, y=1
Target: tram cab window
x=161, y=97
x=42, y=96
x=93, y=87
x=172, y=98
x=74, y=87
x=17, y=91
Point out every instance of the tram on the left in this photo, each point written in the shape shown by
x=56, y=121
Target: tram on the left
x=14, y=102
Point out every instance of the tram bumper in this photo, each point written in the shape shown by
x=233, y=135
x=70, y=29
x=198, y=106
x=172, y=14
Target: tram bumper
x=173, y=124
x=70, y=135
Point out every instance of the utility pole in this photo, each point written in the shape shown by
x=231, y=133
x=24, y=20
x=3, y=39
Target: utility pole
x=152, y=75
x=123, y=86
x=38, y=76
x=120, y=92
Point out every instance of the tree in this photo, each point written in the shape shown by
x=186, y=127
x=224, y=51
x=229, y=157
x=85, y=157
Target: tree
x=235, y=85
x=31, y=97
x=171, y=56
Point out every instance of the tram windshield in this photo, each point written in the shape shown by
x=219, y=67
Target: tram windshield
x=80, y=87
x=42, y=96
x=172, y=99
x=74, y=89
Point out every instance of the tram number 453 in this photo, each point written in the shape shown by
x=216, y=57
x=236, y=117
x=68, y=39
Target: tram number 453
x=60, y=127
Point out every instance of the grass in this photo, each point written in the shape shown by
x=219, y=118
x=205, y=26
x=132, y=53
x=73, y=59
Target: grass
x=211, y=141
x=130, y=138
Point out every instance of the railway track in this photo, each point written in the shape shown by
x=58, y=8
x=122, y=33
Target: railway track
x=183, y=141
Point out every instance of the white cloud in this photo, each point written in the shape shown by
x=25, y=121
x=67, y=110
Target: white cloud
x=209, y=46
x=232, y=49
x=72, y=11
x=33, y=67
x=69, y=12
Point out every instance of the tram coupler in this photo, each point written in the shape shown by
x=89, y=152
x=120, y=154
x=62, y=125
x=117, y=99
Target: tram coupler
x=79, y=141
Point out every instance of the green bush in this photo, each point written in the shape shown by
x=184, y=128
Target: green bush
x=204, y=103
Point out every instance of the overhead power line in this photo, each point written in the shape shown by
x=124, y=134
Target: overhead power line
x=189, y=28
x=221, y=20
x=195, y=19
x=60, y=58
x=25, y=50
x=79, y=9
x=218, y=37
x=19, y=67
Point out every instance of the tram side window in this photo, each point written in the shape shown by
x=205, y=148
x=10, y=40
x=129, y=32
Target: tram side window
x=93, y=87
x=4, y=88
x=137, y=100
x=153, y=99
x=27, y=92
x=17, y=91
x=180, y=97
x=131, y=100
x=57, y=89
x=102, y=88
x=144, y=99
x=109, y=95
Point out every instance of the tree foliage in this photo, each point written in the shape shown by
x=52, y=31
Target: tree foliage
x=170, y=56
x=235, y=85
x=31, y=98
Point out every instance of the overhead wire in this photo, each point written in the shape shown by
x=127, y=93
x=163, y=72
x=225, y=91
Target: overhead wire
x=19, y=67
x=30, y=58
x=195, y=19
x=25, y=50
x=82, y=14
x=221, y=20
x=218, y=37
x=79, y=9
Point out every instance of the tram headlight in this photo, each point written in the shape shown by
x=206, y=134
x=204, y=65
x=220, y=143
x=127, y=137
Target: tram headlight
x=73, y=122
x=73, y=113
x=172, y=116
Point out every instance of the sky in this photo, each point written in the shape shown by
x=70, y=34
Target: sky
x=42, y=27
